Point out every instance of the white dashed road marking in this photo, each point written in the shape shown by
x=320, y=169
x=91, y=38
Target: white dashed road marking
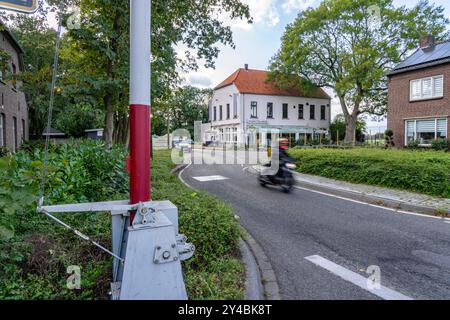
x=356, y=279
x=210, y=178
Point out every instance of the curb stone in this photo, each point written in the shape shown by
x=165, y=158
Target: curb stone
x=264, y=271
x=269, y=280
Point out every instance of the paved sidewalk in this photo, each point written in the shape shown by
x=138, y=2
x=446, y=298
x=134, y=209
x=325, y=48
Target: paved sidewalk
x=376, y=195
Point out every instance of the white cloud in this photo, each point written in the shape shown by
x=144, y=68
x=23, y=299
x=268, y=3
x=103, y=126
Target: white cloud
x=297, y=5
x=199, y=80
x=262, y=11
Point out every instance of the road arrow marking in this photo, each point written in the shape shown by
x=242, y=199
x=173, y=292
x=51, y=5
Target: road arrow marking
x=210, y=178
x=356, y=279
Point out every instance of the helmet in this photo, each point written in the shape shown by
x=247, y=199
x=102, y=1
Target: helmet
x=283, y=143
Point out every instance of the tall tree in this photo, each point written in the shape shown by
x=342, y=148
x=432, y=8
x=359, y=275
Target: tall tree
x=189, y=104
x=103, y=40
x=349, y=46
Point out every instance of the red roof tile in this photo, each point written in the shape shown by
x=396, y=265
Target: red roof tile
x=255, y=82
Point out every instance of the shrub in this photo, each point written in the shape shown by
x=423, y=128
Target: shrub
x=418, y=171
x=440, y=145
x=389, y=139
x=414, y=144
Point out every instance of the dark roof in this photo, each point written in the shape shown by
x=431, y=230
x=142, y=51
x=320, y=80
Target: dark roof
x=52, y=132
x=255, y=82
x=424, y=58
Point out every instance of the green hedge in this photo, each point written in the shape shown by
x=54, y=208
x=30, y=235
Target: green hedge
x=413, y=170
x=35, y=251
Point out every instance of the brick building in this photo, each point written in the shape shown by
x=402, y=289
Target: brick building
x=419, y=95
x=13, y=105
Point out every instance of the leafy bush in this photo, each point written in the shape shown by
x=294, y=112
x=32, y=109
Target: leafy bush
x=440, y=145
x=414, y=144
x=421, y=171
x=35, y=251
x=389, y=139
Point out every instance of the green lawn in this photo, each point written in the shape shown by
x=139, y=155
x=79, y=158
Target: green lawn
x=35, y=251
x=420, y=171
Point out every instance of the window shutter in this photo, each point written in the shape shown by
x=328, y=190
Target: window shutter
x=442, y=126
x=438, y=86
x=415, y=89
x=427, y=87
x=426, y=125
x=410, y=128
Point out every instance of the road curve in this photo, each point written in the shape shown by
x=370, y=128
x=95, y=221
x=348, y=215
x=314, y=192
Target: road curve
x=411, y=252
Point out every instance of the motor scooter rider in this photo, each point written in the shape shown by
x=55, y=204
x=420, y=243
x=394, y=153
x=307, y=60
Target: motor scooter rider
x=284, y=158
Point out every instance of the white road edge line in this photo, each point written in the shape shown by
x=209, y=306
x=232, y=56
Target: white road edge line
x=447, y=220
x=356, y=279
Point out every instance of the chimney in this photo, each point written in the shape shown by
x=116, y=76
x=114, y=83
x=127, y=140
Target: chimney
x=427, y=42
x=246, y=66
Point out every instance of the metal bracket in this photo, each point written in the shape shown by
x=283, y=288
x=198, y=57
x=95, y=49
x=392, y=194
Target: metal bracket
x=185, y=250
x=166, y=252
x=145, y=214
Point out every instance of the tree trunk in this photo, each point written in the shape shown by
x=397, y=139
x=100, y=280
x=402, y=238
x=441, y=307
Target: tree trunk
x=168, y=133
x=350, y=129
x=109, y=122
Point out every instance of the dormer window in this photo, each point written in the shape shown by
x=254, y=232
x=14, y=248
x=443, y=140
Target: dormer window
x=427, y=88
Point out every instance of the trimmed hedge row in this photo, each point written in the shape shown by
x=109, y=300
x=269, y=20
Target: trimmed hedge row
x=420, y=171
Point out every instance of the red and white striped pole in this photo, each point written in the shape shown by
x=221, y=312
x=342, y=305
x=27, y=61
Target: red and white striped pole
x=140, y=72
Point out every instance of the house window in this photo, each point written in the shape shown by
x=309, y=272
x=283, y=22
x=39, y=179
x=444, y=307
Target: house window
x=228, y=111
x=254, y=109
x=235, y=106
x=215, y=113
x=425, y=130
x=14, y=79
x=235, y=136
x=427, y=88
x=270, y=110
x=15, y=134
x=285, y=111
x=322, y=113
x=2, y=130
x=23, y=131
x=220, y=113
x=301, y=111
x=312, y=112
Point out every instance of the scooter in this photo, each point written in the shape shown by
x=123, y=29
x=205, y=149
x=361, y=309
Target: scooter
x=285, y=180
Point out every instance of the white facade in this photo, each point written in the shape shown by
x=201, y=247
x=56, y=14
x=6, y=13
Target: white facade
x=232, y=125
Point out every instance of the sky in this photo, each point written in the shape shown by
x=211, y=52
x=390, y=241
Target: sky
x=257, y=43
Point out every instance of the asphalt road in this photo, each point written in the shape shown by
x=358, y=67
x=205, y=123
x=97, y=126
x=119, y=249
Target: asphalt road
x=412, y=252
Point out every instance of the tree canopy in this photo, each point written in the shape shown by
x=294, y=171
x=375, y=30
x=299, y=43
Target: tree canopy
x=349, y=46
x=94, y=56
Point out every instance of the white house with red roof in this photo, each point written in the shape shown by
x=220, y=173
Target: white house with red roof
x=246, y=100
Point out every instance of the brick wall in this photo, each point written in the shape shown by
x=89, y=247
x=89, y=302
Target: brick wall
x=401, y=108
x=14, y=102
